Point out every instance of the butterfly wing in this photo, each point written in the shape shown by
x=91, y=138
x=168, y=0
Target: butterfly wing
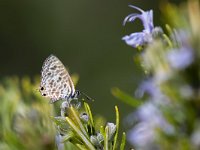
x=55, y=80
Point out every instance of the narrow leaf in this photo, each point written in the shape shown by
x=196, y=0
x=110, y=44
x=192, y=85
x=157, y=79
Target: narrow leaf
x=81, y=147
x=117, y=128
x=106, y=138
x=125, y=97
x=123, y=142
x=88, y=111
x=81, y=135
x=68, y=136
x=77, y=120
x=102, y=131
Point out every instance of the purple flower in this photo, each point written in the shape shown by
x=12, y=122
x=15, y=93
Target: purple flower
x=150, y=113
x=142, y=135
x=148, y=87
x=150, y=119
x=146, y=17
x=180, y=58
x=140, y=38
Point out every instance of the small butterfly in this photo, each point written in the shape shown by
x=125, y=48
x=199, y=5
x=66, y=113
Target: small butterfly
x=56, y=82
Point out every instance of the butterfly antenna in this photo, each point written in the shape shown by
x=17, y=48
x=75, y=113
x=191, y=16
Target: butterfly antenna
x=85, y=95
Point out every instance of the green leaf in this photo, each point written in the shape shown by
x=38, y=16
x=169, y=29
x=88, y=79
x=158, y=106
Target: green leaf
x=58, y=120
x=106, y=138
x=125, y=97
x=89, y=113
x=74, y=115
x=168, y=40
x=68, y=136
x=102, y=131
x=123, y=142
x=117, y=128
x=81, y=135
x=81, y=147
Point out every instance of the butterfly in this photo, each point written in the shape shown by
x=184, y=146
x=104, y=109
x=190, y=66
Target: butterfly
x=56, y=82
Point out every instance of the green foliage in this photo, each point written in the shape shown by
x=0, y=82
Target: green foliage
x=24, y=117
x=124, y=97
x=78, y=127
x=26, y=122
x=122, y=146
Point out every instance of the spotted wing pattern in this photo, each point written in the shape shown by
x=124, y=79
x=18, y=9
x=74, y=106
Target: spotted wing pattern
x=55, y=80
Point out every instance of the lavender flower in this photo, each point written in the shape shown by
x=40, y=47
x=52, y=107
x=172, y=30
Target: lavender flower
x=180, y=58
x=150, y=118
x=148, y=87
x=144, y=37
x=141, y=135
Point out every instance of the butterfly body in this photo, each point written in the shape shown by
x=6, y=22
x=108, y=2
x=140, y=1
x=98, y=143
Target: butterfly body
x=56, y=82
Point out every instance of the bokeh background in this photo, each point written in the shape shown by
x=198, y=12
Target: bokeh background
x=84, y=35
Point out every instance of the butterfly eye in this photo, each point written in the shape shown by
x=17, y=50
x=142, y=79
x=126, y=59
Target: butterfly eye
x=42, y=88
x=44, y=94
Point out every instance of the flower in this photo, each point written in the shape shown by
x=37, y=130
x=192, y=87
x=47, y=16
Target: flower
x=146, y=17
x=141, y=135
x=153, y=91
x=180, y=58
x=148, y=87
x=140, y=38
x=136, y=39
x=150, y=119
x=111, y=129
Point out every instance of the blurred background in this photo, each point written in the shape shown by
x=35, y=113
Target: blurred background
x=84, y=35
